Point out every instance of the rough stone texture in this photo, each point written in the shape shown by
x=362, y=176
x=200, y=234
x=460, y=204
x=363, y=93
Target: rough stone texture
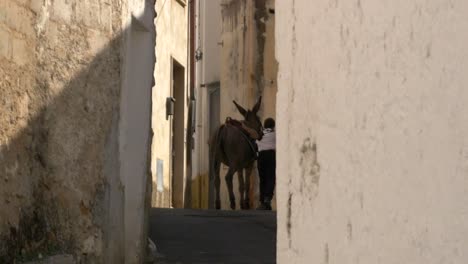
x=60, y=68
x=372, y=131
x=248, y=67
x=172, y=42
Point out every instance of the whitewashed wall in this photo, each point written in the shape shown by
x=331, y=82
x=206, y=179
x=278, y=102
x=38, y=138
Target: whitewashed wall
x=372, y=131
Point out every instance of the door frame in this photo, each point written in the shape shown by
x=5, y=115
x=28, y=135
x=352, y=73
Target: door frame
x=177, y=177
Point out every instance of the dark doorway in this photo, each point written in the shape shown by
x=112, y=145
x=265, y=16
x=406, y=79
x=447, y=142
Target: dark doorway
x=214, y=123
x=178, y=140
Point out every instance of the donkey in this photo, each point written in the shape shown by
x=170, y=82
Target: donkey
x=234, y=146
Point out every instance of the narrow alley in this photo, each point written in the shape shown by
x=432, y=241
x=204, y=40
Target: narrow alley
x=208, y=236
x=125, y=123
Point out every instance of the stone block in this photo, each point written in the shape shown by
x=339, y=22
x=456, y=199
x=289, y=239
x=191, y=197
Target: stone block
x=25, y=2
x=19, y=18
x=53, y=32
x=105, y=18
x=3, y=11
x=97, y=41
x=36, y=6
x=62, y=10
x=20, y=51
x=5, y=43
x=27, y=24
x=88, y=13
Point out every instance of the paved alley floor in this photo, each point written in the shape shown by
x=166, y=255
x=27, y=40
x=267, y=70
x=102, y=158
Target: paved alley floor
x=209, y=236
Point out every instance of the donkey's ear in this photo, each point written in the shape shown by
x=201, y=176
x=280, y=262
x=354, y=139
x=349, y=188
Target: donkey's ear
x=257, y=105
x=240, y=108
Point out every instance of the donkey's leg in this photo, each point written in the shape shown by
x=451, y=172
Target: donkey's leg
x=217, y=184
x=240, y=174
x=228, y=178
x=248, y=173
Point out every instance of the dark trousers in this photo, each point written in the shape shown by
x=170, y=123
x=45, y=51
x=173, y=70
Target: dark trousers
x=267, y=171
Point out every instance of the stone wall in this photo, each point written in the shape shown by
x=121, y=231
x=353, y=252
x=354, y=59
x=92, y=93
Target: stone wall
x=60, y=68
x=372, y=131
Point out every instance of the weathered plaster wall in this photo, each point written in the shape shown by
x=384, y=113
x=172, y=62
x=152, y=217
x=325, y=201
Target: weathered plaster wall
x=171, y=39
x=135, y=125
x=60, y=73
x=61, y=66
x=270, y=65
x=248, y=66
x=208, y=38
x=372, y=131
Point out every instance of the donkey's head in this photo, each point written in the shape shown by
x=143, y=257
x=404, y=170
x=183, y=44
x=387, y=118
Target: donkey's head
x=251, y=118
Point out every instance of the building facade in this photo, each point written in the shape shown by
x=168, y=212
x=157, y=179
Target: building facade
x=169, y=147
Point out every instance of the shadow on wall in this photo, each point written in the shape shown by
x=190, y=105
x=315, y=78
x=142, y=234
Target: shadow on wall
x=60, y=188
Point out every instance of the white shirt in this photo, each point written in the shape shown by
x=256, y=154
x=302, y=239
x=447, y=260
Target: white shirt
x=268, y=141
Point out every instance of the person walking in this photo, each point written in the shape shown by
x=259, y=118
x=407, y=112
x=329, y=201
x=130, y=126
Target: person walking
x=266, y=164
